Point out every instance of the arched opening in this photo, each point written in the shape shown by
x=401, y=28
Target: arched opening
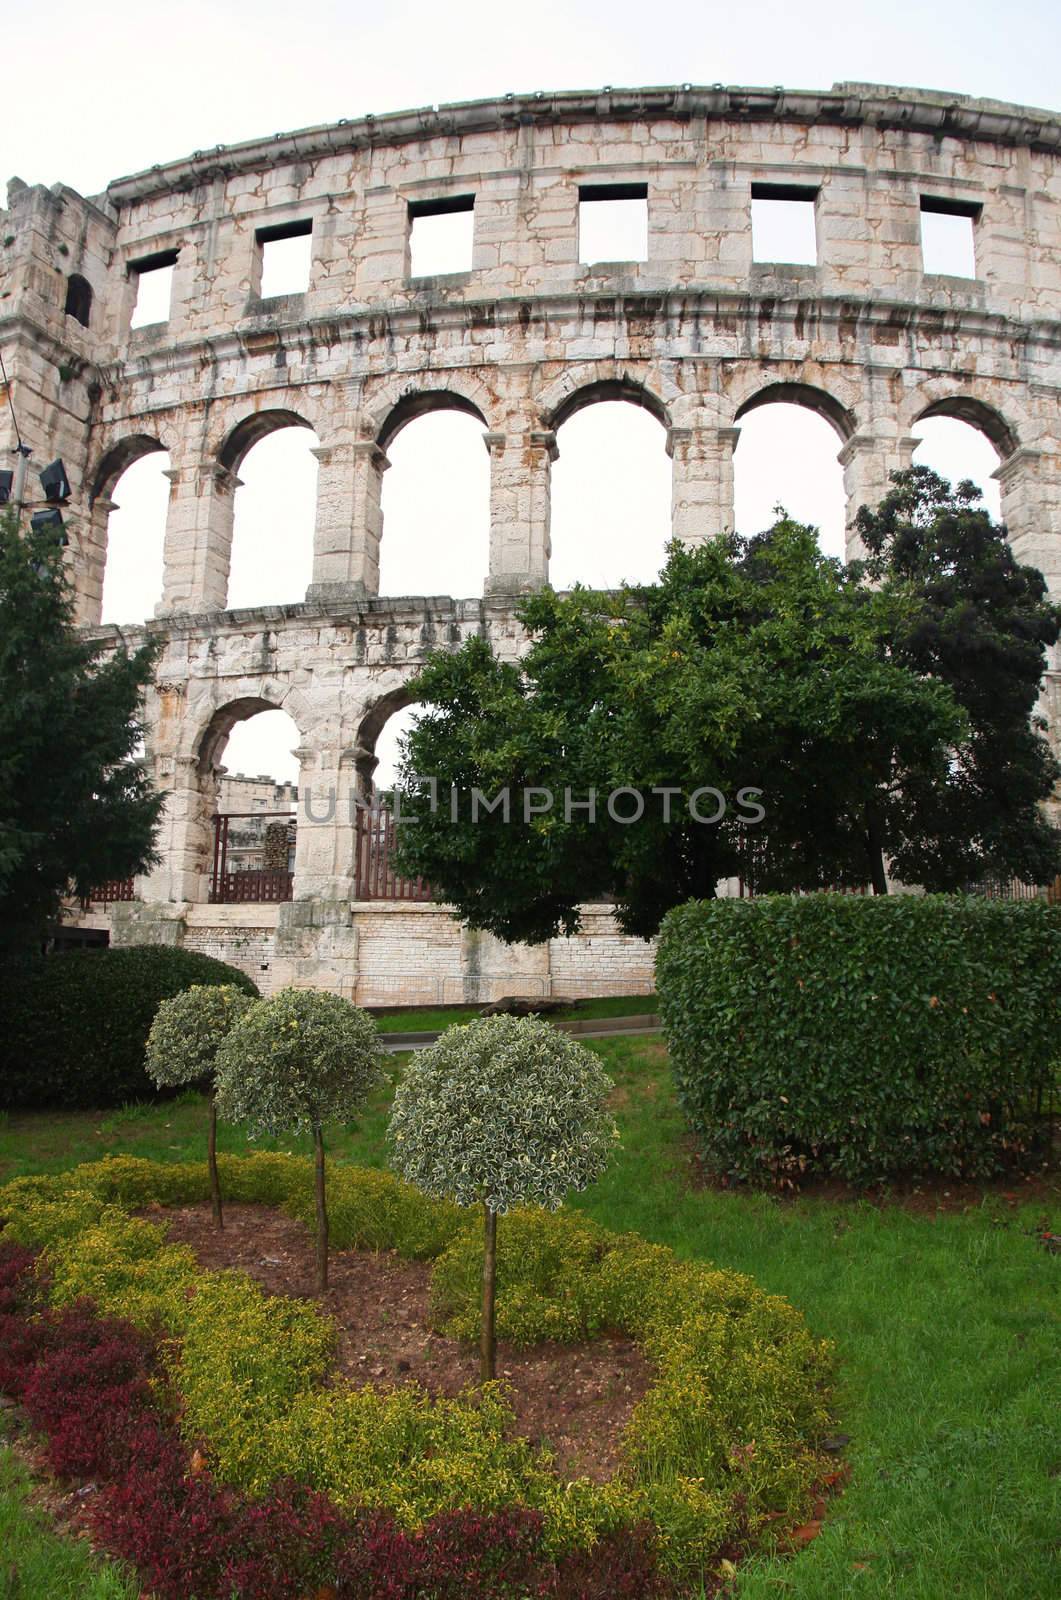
x=611, y=488
x=79, y=299
x=435, y=499
x=378, y=760
x=786, y=456
x=130, y=505
x=274, y=509
x=963, y=439
x=249, y=772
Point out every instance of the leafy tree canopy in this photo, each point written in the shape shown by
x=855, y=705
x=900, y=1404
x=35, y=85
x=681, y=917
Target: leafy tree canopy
x=76, y=804
x=751, y=664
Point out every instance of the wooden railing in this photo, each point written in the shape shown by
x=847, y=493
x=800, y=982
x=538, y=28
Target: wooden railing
x=111, y=892
x=374, y=874
x=263, y=885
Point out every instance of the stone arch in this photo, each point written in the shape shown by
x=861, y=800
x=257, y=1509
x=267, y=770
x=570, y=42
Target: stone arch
x=244, y=435
x=118, y=458
x=575, y=390
x=374, y=720
x=212, y=739
x=978, y=414
x=420, y=404
x=807, y=395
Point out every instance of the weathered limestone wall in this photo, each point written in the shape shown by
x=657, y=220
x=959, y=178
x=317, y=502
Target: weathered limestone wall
x=393, y=954
x=698, y=333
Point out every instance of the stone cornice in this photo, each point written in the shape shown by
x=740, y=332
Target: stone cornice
x=365, y=327
x=941, y=115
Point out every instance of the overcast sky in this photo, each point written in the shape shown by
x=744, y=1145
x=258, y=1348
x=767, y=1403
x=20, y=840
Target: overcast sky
x=95, y=93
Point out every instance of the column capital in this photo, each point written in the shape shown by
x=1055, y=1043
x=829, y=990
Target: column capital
x=683, y=437
x=1025, y=458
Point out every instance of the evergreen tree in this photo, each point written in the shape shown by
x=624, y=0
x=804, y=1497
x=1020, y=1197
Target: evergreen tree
x=76, y=805
x=981, y=624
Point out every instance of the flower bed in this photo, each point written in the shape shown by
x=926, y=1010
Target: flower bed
x=722, y=1448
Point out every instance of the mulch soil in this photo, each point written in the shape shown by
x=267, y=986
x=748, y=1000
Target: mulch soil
x=574, y=1398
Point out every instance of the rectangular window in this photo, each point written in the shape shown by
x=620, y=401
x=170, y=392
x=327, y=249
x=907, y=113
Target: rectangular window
x=441, y=234
x=783, y=224
x=285, y=252
x=612, y=222
x=948, y=242
x=154, y=287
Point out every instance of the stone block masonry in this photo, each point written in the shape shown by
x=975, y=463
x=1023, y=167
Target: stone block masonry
x=698, y=332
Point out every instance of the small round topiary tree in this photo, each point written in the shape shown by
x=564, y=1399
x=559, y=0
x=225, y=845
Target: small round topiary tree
x=182, y=1048
x=506, y=1111
x=294, y=1062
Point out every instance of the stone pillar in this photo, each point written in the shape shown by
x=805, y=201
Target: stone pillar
x=92, y=560
x=520, y=469
x=198, y=545
x=324, y=839
x=185, y=838
x=349, y=522
x=868, y=461
x=701, y=482
x=1030, y=481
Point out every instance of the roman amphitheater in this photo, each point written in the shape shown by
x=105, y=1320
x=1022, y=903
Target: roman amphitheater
x=698, y=332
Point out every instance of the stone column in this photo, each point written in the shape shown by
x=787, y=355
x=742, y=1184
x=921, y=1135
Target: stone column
x=701, y=482
x=185, y=837
x=324, y=839
x=1030, y=481
x=520, y=470
x=349, y=522
x=868, y=461
x=91, y=534
x=198, y=544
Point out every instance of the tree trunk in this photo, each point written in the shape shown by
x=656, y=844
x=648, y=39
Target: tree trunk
x=211, y=1161
x=875, y=852
x=486, y=1338
x=322, y=1214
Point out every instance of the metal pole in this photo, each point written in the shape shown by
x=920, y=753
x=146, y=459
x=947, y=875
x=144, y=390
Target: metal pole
x=23, y=452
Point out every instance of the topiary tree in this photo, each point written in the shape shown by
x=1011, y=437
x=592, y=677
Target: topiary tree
x=293, y=1062
x=506, y=1111
x=182, y=1047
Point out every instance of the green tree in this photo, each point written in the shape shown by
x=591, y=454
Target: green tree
x=752, y=665
x=292, y=1063
x=980, y=623
x=504, y=1112
x=182, y=1048
x=76, y=804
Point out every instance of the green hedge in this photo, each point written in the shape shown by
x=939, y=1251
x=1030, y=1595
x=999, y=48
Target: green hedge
x=865, y=1038
x=73, y=1026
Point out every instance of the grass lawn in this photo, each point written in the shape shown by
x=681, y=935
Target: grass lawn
x=427, y=1019
x=37, y=1564
x=942, y=1322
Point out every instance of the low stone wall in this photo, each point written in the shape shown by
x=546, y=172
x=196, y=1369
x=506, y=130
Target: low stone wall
x=390, y=954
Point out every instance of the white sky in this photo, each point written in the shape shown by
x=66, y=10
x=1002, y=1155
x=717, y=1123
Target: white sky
x=128, y=88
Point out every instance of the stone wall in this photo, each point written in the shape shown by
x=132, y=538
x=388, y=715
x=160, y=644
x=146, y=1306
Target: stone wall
x=698, y=333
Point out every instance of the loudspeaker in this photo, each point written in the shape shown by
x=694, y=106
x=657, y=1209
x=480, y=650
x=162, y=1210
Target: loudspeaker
x=6, y=480
x=41, y=520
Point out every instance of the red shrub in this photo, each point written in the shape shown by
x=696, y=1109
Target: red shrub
x=456, y=1554
x=16, y=1266
x=621, y=1566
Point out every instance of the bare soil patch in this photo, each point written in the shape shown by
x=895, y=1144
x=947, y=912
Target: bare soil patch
x=576, y=1399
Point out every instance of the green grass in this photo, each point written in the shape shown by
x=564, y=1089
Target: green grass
x=433, y=1019
x=39, y=1564
x=942, y=1323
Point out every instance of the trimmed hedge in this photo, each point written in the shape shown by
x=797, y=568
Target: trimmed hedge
x=73, y=1027
x=734, y=1367
x=864, y=1038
